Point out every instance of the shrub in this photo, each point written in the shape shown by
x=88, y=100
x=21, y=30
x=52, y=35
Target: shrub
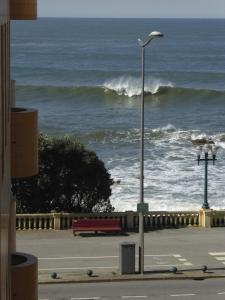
x=70, y=179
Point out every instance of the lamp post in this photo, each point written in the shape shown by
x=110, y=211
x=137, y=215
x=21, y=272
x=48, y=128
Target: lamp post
x=206, y=149
x=143, y=44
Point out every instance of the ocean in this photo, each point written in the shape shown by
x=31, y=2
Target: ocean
x=84, y=77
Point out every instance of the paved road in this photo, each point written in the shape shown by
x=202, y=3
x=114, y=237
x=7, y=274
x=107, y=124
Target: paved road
x=185, y=248
x=212, y=289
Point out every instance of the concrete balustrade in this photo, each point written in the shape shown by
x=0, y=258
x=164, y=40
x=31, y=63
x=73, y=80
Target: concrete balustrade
x=171, y=219
x=129, y=220
x=218, y=218
x=34, y=221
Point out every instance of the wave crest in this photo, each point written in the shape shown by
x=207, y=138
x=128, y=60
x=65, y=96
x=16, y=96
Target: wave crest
x=131, y=86
x=167, y=128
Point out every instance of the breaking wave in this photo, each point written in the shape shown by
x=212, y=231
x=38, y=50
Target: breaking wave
x=122, y=87
x=130, y=86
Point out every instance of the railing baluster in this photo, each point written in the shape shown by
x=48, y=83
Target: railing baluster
x=160, y=221
x=195, y=220
x=19, y=223
x=175, y=221
x=63, y=222
x=166, y=220
x=151, y=220
x=45, y=223
x=189, y=220
x=35, y=223
x=29, y=223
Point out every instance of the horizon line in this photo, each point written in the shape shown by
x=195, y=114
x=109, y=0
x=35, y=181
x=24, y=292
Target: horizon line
x=142, y=18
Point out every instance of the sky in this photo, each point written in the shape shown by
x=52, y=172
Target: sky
x=132, y=8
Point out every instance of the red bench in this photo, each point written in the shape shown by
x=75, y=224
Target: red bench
x=96, y=225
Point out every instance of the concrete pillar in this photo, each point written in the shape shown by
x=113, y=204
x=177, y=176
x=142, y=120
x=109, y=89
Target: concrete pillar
x=57, y=221
x=205, y=218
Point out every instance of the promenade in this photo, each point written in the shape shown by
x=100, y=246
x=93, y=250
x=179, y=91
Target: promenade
x=187, y=249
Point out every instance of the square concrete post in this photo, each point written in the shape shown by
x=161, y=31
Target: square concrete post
x=57, y=221
x=205, y=218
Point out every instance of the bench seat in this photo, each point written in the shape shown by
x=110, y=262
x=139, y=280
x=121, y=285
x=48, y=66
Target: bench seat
x=103, y=225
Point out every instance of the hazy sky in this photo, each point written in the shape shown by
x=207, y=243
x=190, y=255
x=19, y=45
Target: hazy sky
x=132, y=8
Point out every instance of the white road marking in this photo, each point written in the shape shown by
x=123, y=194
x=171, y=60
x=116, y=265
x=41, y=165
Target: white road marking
x=126, y=297
x=89, y=298
x=219, y=256
x=78, y=268
x=182, y=259
x=102, y=257
x=182, y=295
x=113, y=267
x=160, y=264
x=172, y=265
x=162, y=255
x=221, y=293
x=76, y=257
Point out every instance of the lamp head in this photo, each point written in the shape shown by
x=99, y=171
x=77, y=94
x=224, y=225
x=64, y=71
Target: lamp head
x=151, y=36
x=155, y=34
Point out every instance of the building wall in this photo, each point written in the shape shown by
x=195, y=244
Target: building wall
x=9, y=9
x=4, y=150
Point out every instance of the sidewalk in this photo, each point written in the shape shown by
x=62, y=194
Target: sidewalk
x=71, y=257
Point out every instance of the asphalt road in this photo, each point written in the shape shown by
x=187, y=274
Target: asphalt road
x=185, y=248
x=211, y=289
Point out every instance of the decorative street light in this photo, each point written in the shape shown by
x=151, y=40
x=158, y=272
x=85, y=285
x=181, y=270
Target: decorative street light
x=206, y=148
x=142, y=206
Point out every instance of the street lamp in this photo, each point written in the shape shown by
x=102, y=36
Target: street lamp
x=206, y=148
x=141, y=206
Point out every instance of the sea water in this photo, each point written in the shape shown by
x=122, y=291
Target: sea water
x=84, y=77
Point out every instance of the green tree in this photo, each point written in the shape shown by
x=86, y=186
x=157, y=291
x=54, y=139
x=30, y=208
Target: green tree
x=70, y=179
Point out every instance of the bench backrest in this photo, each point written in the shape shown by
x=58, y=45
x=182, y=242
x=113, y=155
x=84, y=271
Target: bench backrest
x=96, y=223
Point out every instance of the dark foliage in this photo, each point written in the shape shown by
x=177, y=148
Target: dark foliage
x=70, y=179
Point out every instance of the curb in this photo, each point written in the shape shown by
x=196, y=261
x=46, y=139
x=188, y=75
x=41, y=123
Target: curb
x=70, y=278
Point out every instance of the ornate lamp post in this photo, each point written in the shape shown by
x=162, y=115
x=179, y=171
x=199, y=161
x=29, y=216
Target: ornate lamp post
x=206, y=149
x=141, y=205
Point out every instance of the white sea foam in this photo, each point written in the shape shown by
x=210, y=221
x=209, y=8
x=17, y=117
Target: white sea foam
x=220, y=144
x=166, y=128
x=173, y=180
x=217, y=139
x=131, y=86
